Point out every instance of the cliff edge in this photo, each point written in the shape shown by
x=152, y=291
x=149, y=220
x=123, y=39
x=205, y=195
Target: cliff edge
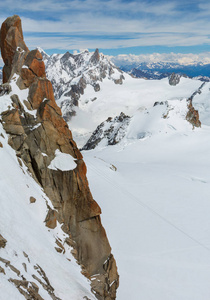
x=43, y=141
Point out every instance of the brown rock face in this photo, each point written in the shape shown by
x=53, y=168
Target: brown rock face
x=36, y=136
x=11, y=41
x=2, y=241
x=35, y=64
x=193, y=115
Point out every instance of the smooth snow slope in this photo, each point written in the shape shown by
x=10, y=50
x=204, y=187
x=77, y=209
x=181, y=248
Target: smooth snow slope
x=156, y=212
x=154, y=191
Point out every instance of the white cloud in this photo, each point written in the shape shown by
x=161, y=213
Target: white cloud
x=185, y=59
x=74, y=42
x=110, y=24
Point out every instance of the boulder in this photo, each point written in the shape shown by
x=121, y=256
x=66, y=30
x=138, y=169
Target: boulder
x=174, y=79
x=51, y=221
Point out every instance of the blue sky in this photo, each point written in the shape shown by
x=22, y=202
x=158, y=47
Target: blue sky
x=114, y=26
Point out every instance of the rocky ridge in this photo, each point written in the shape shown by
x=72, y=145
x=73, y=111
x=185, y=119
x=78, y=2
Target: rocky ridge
x=38, y=133
x=112, y=131
x=174, y=79
x=193, y=114
x=71, y=74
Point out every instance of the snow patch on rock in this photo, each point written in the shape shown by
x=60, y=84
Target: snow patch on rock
x=62, y=161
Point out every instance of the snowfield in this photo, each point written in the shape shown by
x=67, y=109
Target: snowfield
x=155, y=208
x=153, y=188
x=132, y=96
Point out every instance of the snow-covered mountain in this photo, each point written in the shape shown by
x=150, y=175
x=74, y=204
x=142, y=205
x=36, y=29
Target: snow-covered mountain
x=72, y=74
x=148, y=74
x=133, y=95
x=165, y=114
x=146, y=145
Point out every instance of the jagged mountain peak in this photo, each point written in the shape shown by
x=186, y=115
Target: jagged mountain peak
x=70, y=74
x=95, y=57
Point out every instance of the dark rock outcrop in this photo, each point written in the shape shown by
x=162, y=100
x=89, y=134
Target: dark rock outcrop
x=160, y=103
x=193, y=115
x=174, y=79
x=112, y=130
x=5, y=88
x=36, y=131
x=120, y=80
x=3, y=241
x=28, y=289
x=95, y=58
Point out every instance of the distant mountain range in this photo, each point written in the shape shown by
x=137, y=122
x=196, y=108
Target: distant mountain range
x=160, y=70
x=145, y=70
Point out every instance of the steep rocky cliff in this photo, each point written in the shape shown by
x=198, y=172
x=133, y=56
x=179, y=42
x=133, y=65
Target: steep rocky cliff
x=41, y=139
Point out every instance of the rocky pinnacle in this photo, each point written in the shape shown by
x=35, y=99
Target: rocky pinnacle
x=36, y=131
